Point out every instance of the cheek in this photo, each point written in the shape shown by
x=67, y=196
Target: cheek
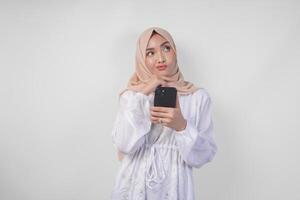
x=150, y=64
x=172, y=59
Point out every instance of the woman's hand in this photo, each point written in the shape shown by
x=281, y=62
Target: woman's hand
x=120, y=155
x=153, y=83
x=170, y=117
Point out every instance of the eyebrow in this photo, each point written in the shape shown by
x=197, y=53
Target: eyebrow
x=160, y=45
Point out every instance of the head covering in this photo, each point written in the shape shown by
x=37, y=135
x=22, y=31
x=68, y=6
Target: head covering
x=142, y=74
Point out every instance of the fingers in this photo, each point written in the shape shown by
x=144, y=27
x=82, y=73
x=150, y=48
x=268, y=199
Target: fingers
x=177, y=101
x=160, y=109
x=163, y=84
x=155, y=120
x=160, y=114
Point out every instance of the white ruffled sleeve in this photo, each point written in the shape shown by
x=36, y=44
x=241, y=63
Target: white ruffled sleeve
x=132, y=122
x=196, y=142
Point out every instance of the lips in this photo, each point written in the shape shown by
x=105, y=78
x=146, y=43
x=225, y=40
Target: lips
x=161, y=67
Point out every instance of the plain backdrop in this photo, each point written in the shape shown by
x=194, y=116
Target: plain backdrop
x=63, y=63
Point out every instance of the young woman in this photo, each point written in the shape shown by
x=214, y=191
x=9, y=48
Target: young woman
x=158, y=146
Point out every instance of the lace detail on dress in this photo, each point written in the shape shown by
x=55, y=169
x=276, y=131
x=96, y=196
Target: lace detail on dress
x=155, y=172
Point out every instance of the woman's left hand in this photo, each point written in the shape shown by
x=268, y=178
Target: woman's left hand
x=170, y=117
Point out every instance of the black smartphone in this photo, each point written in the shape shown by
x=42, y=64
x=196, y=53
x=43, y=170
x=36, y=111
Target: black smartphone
x=165, y=96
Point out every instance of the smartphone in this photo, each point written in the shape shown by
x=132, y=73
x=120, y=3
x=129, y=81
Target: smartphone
x=165, y=96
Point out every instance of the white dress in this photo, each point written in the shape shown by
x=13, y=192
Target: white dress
x=158, y=160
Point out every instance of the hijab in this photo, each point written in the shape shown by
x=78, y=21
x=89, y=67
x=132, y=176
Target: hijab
x=142, y=74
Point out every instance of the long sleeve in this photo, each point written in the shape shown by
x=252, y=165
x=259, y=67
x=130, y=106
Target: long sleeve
x=196, y=142
x=132, y=122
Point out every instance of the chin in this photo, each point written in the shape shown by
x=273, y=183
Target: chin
x=164, y=73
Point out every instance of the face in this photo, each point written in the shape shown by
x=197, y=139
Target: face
x=160, y=56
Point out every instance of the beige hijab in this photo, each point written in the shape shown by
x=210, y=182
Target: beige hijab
x=142, y=74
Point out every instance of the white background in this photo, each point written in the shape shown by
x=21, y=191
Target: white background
x=63, y=64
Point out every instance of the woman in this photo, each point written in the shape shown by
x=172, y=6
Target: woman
x=158, y=146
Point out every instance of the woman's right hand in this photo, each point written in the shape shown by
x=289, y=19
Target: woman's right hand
x=153, y=83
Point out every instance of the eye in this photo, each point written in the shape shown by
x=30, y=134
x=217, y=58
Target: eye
x=167, y=48
x=149, y=53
